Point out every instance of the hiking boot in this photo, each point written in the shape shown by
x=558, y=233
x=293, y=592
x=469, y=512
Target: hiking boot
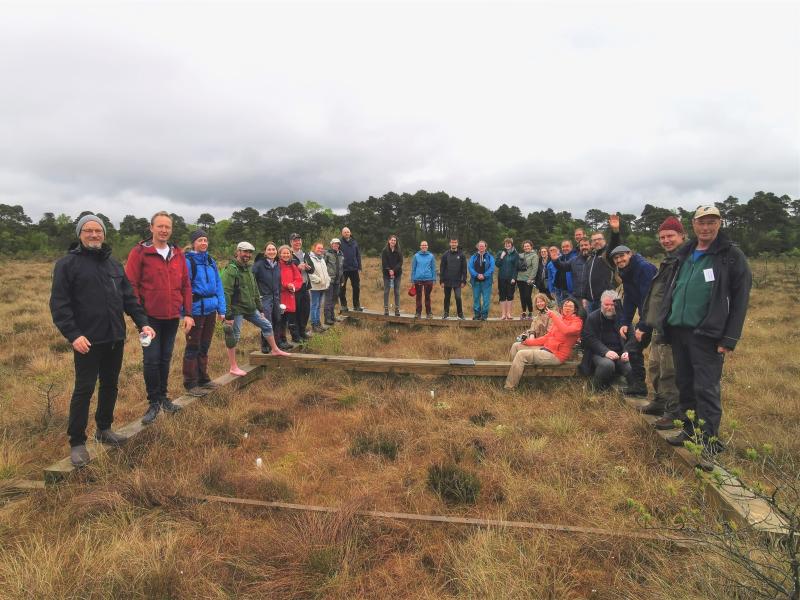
x=445, y=316
x=651, y=408
x=428, y=315
x=317, y=329
x=461, y=316
x=343, y=310
x=476, y=318
x=665, y=423
x=209, y=385
x=385, y=312
x=358, y=308
x=637, y=390
x=417, y=315
x=677, y=440
x=107, y=436
x=79, y=456
x=151, y=414
x=169, y=406
x=330, y=323
x=197, y=391
x=285, y=346
x=396, y=312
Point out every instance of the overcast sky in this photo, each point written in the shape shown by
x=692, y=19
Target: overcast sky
x=133, y=108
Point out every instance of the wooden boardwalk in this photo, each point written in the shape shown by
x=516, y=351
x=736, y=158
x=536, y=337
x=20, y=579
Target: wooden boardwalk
x=434, y=321
x=63, y=468
x=408, y=366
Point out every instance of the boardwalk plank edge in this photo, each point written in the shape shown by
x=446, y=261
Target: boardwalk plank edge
x=407, y=366
x=434, y=321
x=62, y=469
x=735, y=501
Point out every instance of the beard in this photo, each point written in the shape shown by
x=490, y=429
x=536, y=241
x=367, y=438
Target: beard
x=608, y=314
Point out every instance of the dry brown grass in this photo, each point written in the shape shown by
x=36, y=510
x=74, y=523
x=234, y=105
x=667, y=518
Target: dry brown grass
x=546, y=452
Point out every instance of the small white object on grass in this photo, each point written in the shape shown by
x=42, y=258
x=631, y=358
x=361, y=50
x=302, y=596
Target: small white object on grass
x=433, y=394
x=259, y=463
x=245, y=435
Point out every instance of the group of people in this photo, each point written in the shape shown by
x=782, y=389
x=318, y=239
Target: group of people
x=583, y=272
x=691, y=311
x=160, y=285
x=691, y=308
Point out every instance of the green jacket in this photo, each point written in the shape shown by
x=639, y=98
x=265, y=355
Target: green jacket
x=241, y=290
x=692, y=293
x=531, y=262
x=658, y=289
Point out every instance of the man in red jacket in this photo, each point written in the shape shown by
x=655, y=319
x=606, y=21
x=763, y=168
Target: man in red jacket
x=158, y=273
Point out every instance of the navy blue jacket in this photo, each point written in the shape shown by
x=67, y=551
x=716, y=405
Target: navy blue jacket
x=352, y=255
x=268, y=279
x=636, y=279
x=207, y=293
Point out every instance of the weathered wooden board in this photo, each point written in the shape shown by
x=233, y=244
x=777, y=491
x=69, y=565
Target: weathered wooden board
x=407, y=366
x=434, y=321
x=63, y=468
x=736, y=502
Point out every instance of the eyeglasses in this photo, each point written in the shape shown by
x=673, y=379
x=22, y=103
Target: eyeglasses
x=92, y=231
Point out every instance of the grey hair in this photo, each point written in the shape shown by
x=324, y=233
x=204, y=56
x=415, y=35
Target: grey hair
x=609, y=294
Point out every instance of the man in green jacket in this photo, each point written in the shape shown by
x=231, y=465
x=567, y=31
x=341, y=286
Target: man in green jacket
x=671, y=236
x=243, y=302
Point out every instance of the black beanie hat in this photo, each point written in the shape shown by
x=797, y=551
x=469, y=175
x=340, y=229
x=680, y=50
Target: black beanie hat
x=197, y=234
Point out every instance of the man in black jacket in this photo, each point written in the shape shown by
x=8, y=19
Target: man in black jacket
x=598, y=274
x=702, y=316
x=603, y=346
x=90, y=293
x=453, y=277
x=302, y=296
x=351, y=269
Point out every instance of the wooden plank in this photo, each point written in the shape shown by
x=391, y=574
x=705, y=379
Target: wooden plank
x=63, y=468
x=449, y=520
x=730, y=497
x=407, y=366
x=434, y=321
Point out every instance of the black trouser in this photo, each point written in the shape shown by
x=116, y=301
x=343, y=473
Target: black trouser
x=157, y=358
x=605, y=369
x=634, y=349
x=303, y=308
x=195, y=357
x=331, y=296
x=289, y=322
x=355, y=279
x=525, y=296
x=103, y=362
x=698, y=370
x=456, y=290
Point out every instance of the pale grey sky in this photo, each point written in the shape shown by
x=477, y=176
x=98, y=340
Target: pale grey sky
x=211, y=107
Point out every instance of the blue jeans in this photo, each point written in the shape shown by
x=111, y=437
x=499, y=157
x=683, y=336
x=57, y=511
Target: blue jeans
x=157, y=357
x=316, y=298
x=256, y=319
x=481, y=297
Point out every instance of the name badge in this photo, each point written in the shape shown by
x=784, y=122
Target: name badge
x=709, y=275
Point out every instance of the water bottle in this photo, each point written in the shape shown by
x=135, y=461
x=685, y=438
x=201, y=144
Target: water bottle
x=144, y=339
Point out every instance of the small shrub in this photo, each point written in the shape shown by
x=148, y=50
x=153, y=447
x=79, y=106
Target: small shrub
x=278, y=420
x=482, y=418
x=348, y=401
x=379, y=444
x=453, y=484
x=479, y=447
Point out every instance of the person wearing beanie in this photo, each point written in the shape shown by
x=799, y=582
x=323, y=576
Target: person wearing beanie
x=664, y=404
x=89, y=298
x=334, y=261
x=702, y=315
x=208, y=305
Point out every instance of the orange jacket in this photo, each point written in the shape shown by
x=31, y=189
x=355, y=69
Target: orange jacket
x=562, y=337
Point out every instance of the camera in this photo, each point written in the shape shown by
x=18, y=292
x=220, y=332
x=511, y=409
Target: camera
x=522, y=337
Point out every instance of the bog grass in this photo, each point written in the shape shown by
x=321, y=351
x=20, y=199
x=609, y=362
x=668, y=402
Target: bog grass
x=549, y=452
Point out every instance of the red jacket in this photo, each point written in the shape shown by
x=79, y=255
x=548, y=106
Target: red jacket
x=562, y=337
x=290, y=274
x=162, y=286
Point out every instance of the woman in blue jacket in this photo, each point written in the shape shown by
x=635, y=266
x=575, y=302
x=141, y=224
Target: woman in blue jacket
x=267, y=272
x=208, y=305
x=423, y=276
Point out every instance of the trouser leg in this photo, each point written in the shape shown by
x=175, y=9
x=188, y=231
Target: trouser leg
x=457, y=294
x=387, y=285
x=86, y=371
x=303, y=309
x=343, y=290
x=447, y=291
x=707, y=375
x=157, y=357
x=635, y=351
x=428, y=288
x=191, y=353
x=487, y=298
x=537, y=356
x=418, y=298
x=331, y=296
x=476, y=298
x=604, y=370
x=108, y=374
x=205, y=345
x=355, y=279
x=515, y=348
x=684, y=370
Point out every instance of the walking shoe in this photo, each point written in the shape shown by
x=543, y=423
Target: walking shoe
x=651, y=408
x=665, y=423
x=637, y=390
x=107, y=436
x=445, y=316
x=343, y=310
x=151, y=414
x=197, y=391
x=397, y=312
x=317, y=329
x=358, y=308
x=417, y=315
x=79, y=456
x=428, y=315
x=461, y=316
x=677, y=440
x=169, y=406
x=476, y=318
x=209, y=385
x=330, y=323
x=385, y=312
x=285, y=346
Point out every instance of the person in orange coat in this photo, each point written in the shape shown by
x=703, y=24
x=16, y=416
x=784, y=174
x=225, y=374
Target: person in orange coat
x=553, y=348
x=291, y=281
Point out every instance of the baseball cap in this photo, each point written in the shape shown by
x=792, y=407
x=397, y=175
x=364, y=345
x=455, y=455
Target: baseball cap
x=620, y=250
x=245, y=246
x=336, y=241
x=706, y=211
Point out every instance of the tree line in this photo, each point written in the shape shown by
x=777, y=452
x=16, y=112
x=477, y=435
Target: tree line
x=764, y=224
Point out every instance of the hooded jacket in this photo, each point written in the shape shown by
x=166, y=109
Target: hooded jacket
x=391, y=260
x=319, y=278
x=474, y=266
x=507, y=264
x=730, y=292
x=453, y=268
x=241, y=290
x=207, y=293
x=162, y=285
x=531, y=262
x=598, y=274
x=658, y=288
x=89, y=295
x=423, y=267
x=636, y=279
x=334, y=260
x=352, y=254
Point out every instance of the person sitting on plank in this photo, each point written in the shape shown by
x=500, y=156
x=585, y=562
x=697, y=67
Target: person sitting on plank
x=553, y=348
